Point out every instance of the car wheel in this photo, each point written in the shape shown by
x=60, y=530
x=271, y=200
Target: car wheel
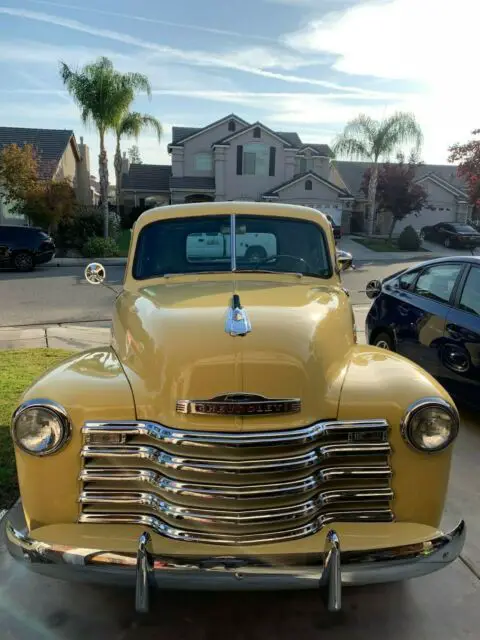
x=447, y=243
x=23, y=261
x=384, y=341
x=256, y=254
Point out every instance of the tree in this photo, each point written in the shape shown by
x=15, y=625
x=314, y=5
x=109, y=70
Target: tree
x=468, y=155
x=396, y=191
x=366, y=139
x=103, y=95
x=18, y=173
x=130, y=124
x=44, y=201
x=134, y=154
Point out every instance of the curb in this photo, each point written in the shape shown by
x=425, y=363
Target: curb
x=82, y=262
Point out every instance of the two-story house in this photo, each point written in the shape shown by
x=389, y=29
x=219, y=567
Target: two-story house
x=59, y=157
x=231, y=159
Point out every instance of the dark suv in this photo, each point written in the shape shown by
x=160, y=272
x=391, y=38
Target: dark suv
x=24, y=247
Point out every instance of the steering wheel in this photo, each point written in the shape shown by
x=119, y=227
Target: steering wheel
x=272, y=259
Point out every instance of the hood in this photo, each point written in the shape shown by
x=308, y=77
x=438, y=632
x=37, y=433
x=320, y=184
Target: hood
x=172, y=343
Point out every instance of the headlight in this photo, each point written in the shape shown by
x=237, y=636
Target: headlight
x=430, y=424
x=40, y=427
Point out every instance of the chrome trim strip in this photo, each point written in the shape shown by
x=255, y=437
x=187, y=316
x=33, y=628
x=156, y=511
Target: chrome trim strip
x=205, y=515
x=234, y=492
x=264, y=465
x=144, y=573
x=53, y=407
x=423, y=403
x=332, y=572
x=235, y=572
x=304, y=435
x=158, y=526
x=233, y=243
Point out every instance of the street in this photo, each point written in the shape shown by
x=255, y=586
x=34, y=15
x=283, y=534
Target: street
x=61, y=295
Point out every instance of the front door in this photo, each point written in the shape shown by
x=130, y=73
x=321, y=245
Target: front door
x=461, y=351
x=422, y=313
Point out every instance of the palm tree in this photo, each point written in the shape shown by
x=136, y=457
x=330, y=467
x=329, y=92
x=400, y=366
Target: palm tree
x=131, y=124
x=103, y=94
x=366, y=139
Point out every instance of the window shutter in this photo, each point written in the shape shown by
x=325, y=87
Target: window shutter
x=271, y=165
x=239, y=159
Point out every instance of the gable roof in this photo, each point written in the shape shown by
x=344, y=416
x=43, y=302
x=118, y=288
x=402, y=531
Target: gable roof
x=202, y=183
x=319, y=149
x=352, y=174
x=50, y=145
x=442, y=183
x=182, y=134
x=342, y=193
x=291, y=136
x=249, y=127
x=147, y=177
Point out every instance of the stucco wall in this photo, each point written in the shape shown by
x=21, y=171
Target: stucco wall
x=252, y=187
x=320, y=194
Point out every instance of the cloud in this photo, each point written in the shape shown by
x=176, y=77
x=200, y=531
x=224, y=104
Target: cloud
x=188, y=57
x=429, y=46
x=167, y=23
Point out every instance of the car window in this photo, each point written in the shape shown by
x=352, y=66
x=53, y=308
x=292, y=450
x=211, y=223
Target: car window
x=437, y=282
x=464, y=228
x=203, y=244
x=406, y=279
x=470, y=299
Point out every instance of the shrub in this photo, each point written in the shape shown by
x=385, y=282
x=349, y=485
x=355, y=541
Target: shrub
x=98, y=247
x=86, y=223
x=409, y=240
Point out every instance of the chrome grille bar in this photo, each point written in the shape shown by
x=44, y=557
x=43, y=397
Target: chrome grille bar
x=304, y=435
x=160, y=527
x=235, y=492
x=218, y=516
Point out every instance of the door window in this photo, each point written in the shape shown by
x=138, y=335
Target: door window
x=437, y=282
x=406, y=279
x=470, y=299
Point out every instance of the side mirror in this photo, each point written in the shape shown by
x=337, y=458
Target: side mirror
x=95, y=273
x=344, y=260
x=373, y=289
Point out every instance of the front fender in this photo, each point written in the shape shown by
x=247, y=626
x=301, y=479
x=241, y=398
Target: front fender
x=91, y=386
x=382, y=384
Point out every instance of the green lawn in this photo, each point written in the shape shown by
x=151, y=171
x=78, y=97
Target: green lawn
x=123, y=241
x=381, y=244
x=18, y=369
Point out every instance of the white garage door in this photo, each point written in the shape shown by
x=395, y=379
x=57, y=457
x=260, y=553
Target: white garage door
x=425, y=218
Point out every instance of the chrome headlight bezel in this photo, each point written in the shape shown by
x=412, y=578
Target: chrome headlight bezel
x=57, y=411
x=421, y=405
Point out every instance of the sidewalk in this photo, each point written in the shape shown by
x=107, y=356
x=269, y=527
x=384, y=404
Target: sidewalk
x=82, y=262
x=362, y=254
x=72, y=337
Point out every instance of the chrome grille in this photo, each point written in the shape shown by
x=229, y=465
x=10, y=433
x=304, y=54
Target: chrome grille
x=235, y=488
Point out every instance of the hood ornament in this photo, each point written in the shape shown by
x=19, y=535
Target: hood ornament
x=237, y=322
x=240, y=404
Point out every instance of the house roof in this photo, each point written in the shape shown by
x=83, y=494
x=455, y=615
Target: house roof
x=202, y=183
x=308, y=174
x=352, y=174
x=147, y=177
x=50, y=145
x=181, y=134
x=249, y=127
x=291, y=136
x=320, y=149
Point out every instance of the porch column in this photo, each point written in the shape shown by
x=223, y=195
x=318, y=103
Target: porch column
x=219, y=168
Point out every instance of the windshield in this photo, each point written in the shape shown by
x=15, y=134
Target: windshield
x=204, y=245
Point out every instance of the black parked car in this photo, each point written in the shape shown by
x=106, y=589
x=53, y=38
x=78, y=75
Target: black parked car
x=337, y=230
x=24, y=247
x=430, y=313
x=452, y=234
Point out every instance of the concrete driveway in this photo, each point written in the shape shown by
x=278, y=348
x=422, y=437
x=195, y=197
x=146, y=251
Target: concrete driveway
x=440, y=250
x=444, y=605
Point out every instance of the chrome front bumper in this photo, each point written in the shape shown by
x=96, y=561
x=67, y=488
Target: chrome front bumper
x=328, y=572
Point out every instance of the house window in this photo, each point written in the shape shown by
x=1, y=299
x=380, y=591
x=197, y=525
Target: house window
x=256, y=159
x=257, y=133
x=308, y=185
x=203, y=161
x=306, y=164
x=231, y=125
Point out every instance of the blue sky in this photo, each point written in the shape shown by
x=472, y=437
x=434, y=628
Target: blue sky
x=297, y=65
